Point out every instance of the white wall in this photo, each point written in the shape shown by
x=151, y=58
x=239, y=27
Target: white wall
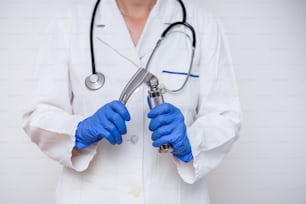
x=268, y=163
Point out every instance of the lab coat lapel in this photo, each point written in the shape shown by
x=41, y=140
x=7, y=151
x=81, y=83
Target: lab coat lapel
x=164, y=13
x=111, y=30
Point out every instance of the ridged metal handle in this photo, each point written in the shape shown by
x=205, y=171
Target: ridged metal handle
x=155, y=98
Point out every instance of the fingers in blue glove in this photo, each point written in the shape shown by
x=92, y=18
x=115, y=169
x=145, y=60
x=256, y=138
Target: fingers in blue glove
x=166, y=139
x=117, y=113
x=120, y=108
x=108, y=122
x=160, y=121
x=111, y=133
x=160, y=109
x=170, y=138
x=164, y=114
x=162, y=131
x=168, y=126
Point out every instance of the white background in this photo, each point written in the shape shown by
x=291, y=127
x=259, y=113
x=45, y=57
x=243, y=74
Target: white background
x=268, y=163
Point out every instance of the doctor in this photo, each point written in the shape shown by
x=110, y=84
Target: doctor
x=109, y=151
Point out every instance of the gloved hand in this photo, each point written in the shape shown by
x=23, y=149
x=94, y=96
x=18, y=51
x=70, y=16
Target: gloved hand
x=168, y=126
x=108, y=122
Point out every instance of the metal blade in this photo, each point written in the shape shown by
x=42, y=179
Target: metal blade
x=141, y=76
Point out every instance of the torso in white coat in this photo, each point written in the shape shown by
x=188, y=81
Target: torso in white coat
x=133, y=172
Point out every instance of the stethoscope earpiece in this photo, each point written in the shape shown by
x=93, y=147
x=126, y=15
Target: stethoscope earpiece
x=95, y=81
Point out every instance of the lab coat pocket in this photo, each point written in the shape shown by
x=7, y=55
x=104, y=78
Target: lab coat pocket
x=187, y=97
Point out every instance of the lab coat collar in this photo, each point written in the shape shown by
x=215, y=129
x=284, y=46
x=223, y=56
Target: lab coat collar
x=112, y=30
x=164, y=13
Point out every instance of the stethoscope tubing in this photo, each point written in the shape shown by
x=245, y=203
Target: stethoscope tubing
x=100, y=78
x=92, y=51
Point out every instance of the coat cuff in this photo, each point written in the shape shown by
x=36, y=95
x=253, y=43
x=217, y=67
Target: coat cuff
x=77, y=160
x=58, y=141
x=204, y=159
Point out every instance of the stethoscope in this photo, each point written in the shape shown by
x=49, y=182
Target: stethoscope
x=96, y=79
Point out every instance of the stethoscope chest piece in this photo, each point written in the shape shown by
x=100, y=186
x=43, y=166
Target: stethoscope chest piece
x=95, y=81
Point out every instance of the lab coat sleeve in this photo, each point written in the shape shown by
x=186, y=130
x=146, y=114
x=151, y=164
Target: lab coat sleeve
x=50, y=122
x=218, y=117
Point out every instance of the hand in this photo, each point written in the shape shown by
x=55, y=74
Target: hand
x=108, y=122
x=168, y=126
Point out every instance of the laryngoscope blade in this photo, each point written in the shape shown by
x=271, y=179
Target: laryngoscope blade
x=141, y=76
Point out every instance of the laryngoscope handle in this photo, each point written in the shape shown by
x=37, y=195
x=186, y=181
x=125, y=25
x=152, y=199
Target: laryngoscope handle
x=155, y=97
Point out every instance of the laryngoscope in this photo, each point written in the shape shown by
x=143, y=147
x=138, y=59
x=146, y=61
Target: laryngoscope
x=155, y=95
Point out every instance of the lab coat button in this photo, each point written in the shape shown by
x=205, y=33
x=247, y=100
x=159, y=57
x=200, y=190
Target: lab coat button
x=133, y=139
x=135, y=193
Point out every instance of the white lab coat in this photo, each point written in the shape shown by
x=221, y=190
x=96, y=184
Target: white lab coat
x=133, y=172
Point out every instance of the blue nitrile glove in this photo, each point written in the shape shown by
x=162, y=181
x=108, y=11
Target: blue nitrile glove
x=108, y=122
x=168, y=126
